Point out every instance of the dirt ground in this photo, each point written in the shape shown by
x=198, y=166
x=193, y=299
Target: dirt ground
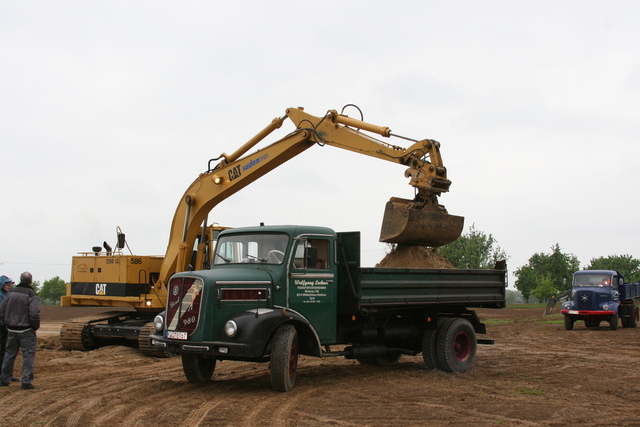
x=536, y=374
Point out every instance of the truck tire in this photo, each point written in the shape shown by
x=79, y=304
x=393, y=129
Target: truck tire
x=629, y=315
x=613, y=322
x=634, y=315
x=457, y=345
x=430, y=345
x=198, y=368
x=568, y=322
x=284, y=358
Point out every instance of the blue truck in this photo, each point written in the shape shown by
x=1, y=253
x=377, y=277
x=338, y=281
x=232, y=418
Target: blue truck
x=601, y=295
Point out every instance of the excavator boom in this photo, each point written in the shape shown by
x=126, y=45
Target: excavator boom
x=421, y=221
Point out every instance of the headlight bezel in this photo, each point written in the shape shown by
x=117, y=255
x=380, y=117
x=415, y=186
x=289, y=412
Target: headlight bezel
x=230, y=328
x=158, y=323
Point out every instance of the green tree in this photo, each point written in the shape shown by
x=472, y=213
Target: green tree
x=557, y=266
x=545, y=289
x=625, y=264
x=473, y=249
x=52, y=290
x=513, y=297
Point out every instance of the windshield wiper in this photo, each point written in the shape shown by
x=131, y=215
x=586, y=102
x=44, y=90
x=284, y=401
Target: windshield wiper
x=223, y=258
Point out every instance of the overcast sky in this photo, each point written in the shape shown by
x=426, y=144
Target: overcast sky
x=110, y=109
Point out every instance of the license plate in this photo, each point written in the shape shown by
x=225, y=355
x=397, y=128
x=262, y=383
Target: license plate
x=570, y=312
x=177, y=335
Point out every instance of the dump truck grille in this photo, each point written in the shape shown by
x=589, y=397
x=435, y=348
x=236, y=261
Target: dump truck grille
x=183, y=304
x=586, y=300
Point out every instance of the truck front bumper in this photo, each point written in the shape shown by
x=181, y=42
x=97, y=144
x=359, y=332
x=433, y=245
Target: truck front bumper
x=220, y=349
x=589, y=312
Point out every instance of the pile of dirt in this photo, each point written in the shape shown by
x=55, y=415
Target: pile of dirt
x=404, y=256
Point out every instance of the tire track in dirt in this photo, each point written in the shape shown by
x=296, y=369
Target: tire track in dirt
x=198, y=416
x=273, y=410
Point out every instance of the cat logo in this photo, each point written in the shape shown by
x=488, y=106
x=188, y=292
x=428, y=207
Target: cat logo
x=101, y=288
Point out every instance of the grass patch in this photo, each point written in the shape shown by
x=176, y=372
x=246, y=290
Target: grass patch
x=497, y=321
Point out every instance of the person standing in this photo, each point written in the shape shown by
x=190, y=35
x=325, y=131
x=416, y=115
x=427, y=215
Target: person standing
x=5, y=285
x=20, y=313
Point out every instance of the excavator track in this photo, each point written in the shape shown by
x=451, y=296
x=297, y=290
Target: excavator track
x=71, y=336
x=76, y=334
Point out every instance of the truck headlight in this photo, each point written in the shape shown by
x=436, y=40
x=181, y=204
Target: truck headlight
x=566, y=306
x=231, y=328
x=158, y=323
x=605, y=307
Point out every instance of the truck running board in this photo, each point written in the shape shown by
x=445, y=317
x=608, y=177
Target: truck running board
x=487, y=341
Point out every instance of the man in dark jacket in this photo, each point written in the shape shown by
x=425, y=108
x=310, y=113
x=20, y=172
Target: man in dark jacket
x=5, y=283
x=20, y=313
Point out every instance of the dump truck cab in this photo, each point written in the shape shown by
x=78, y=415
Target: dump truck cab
x=595, y=297
x=261, y=277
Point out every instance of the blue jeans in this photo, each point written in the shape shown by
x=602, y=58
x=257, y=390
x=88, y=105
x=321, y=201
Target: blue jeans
x=25, y=341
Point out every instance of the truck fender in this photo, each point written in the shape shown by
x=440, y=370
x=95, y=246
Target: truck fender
x=616, y=308
x=258, y=327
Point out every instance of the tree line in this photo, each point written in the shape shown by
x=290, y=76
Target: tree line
x=544, y=275
x=51, y=290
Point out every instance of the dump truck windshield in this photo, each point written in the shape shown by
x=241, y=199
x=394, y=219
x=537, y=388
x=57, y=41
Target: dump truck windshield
x=594, y=280
x=267, y=248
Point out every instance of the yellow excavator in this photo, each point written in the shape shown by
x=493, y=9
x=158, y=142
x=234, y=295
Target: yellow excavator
x=139, y=282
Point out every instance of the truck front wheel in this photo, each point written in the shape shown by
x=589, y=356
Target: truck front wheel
x=284, y=358
x=457, y=345
x=613, y=322
x=568, y=322
x=197, y=368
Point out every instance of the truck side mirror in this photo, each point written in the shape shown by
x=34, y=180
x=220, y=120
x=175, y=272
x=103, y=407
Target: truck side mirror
x=311, y=257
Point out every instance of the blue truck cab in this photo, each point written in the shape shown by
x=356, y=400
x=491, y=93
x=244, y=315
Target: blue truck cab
x=601, y=295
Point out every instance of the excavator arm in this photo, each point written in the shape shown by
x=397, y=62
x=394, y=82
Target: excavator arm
x=421, y=221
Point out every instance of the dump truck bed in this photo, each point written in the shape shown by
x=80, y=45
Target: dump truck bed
x=629, y=291
x=402, y=287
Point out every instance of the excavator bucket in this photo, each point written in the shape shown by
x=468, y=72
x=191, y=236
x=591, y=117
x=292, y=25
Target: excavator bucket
x=412, y=226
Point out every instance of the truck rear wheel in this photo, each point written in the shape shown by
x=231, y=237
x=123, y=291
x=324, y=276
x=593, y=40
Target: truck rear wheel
x=634, y=314
x=430, y=345
x=284, y=358
x=568, y=322
x=198, y=368
x=457, y=345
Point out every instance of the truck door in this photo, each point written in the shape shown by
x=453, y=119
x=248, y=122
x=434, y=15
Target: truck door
x=312, y=285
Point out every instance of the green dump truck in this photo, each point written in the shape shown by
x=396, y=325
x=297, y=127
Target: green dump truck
x=274, y=292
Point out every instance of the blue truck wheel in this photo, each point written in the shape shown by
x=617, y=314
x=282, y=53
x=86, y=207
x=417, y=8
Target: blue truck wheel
x=613, y=322
x=568, y=322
